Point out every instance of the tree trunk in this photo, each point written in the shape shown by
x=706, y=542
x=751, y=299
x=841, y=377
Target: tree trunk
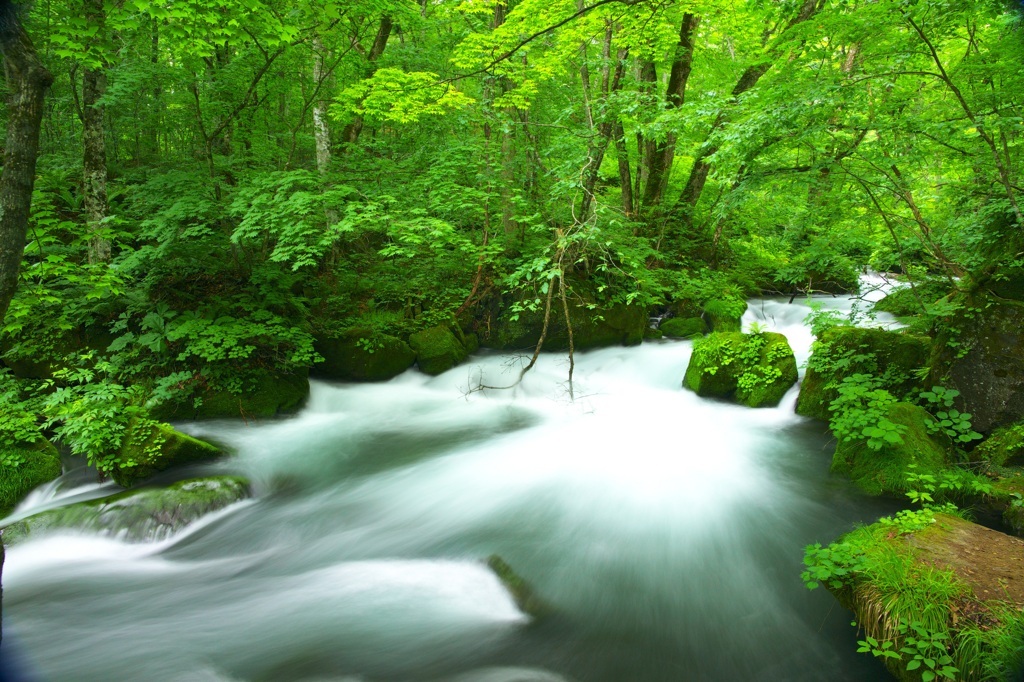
x=94, y=163
x=321, y=131
x=27, y=81
x=353, y=129
x=660, y=159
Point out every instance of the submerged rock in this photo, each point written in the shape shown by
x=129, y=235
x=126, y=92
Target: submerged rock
x=522, y=592
x=150, y=447
x=138, y=515
x=753, y=369
x=437, y=349
x=883, y=471
x=891, y=357
x=362, y=355
x=29, y=466
x=684, y=327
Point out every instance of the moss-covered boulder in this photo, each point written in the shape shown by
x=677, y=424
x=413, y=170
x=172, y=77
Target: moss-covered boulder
x=892, y=357
x=725, y=315
x=1004, y=446
x=941, y=592
x=753, y=369
x=522, y=592
x=980, y=352
x=23, y=468
x=883, y=470
x=149, y=447
x=437, y=349
x=362, y=355
x=266, y=396
x=138, y=515
x=683, y=327
x=593, y=327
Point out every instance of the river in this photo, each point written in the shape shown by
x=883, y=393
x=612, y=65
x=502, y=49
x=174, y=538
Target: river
x=664, y=532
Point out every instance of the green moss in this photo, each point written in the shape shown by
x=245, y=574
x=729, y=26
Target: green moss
x=138, y=515
x=40, y=464
x=883, y=471
x=892, y=357
x=437, y=349
x=522, y=592
x=363, y=355
x=754, y=369
x=684, y=327
x=593, y=327
x=149, y=448
x=1005, y=445
x=725, y=315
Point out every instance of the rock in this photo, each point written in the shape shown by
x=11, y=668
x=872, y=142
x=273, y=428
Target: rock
x=362, y=355
x=753, y=369
x=522, y=592
x=981, y=354
x=653, y=333
x=1004, y=446
x=596, y=327
x=970, y=577
x=437, y=349
x=890, y=356
x=268, y=396
x=683, y=327
x=725, y=315
x=149, y=447
x=37, y=463
x=138, y=515
x=883, y=471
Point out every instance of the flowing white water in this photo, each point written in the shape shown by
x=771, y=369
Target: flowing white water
x=664, y=531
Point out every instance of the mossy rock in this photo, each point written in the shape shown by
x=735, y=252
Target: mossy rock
x=883, y=471
x=138, y=515
x=522, y=592
x=46, y=353
x=362, y=355
x=725, y=315
x=596, y=327
x=437, y=349
x=980, y=352
x=890, y=356
x=151, y=447
x=1004, y=446
x=753, y=369
x=267, y=396
x=683, y=327
x=650, y=333
x=40, y=464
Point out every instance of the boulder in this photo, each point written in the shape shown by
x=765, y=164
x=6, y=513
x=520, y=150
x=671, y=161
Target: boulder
x=683, y=327
x=138, y=515
x=266, y=396
x=981, y=354
x=753, y=369
x=437, y=349
x=362, y=355
x=883, y=471
x=725, y=315
x=28, y=466
x=892, y=357
x=1004, y=446
x=593, y=327
x=149, y=447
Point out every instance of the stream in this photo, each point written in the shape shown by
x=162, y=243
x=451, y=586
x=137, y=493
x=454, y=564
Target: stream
x=664, y=532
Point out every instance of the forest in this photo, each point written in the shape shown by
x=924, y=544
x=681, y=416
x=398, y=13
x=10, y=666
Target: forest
x=224, y=214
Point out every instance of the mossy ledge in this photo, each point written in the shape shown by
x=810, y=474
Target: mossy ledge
x=151, y=447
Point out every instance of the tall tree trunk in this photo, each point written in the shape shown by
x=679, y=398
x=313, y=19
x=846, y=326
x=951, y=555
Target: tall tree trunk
x=748, y=79
x=647, y=77
x=94, y=151
x=321, y=131
x=660, y=159
x=625, y=179
x=27, y=81
x=380, y=41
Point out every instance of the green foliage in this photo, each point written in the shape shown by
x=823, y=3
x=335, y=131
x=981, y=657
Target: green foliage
x=833, y=565
x=860, y=412
x=924, y=648
x=952, y=422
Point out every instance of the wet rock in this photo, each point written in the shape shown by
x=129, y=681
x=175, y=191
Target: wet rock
x=683, y=327
x=362, y=355
x=883, y=471
x=753, y=369
x=437, y=349
x=522, y=592
x=138, y=515
x=150, y=447
x=891, y=357
x=29, y=466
